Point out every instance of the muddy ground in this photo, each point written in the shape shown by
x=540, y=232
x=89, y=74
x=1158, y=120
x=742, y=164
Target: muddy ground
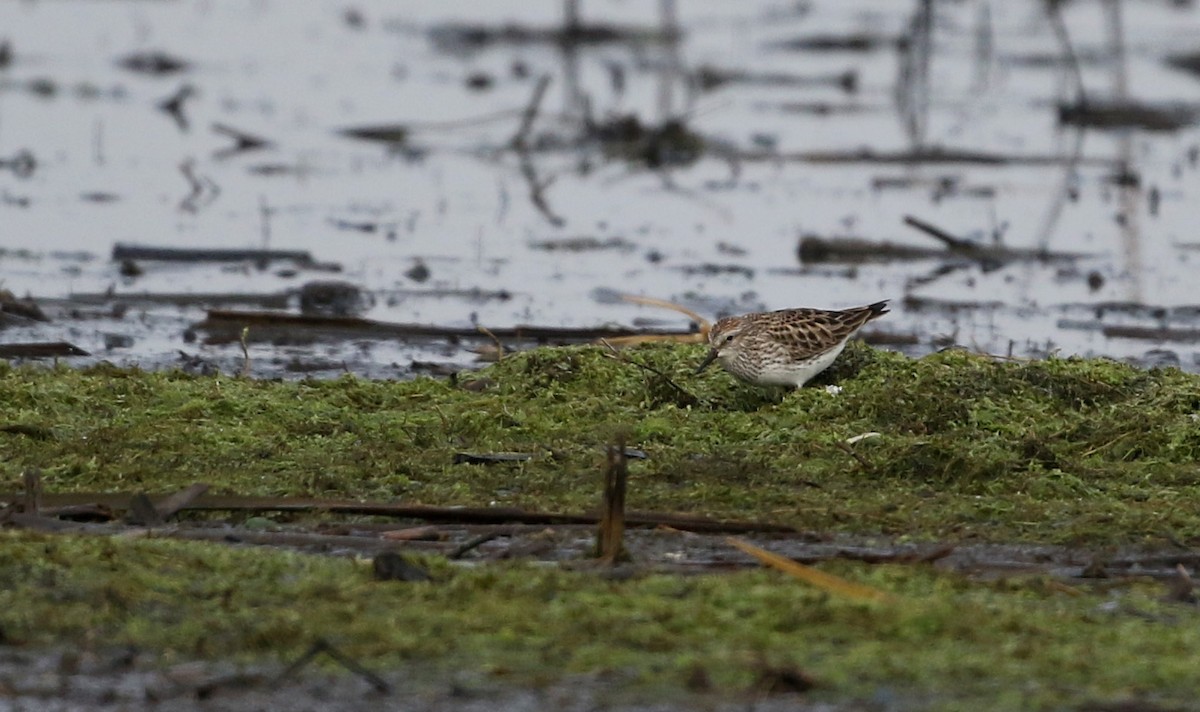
x=126, y=678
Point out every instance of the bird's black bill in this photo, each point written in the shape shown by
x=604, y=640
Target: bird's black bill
x=712, y=356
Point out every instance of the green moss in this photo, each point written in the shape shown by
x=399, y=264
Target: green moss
x=1070, y=450
x=1062, y=450
x=951, y=643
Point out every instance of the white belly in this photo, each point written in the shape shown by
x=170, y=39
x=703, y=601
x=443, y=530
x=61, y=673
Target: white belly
x=797, y=374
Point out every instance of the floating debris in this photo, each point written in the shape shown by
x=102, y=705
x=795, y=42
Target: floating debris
x=583, y=244
x=22, y=163
x=709, y=78
x=153, y=62
x=49, y=349
x=173, y=105
x=479, y=81
x=122, y=251
x=113, y=342
x=1186, y=62
x=332, y=297
x=815, y=249
x=668, y=144
x=462, y=37
x=274, y=300
x=860, y=42
x=20, y=309
x=1151, y=333
x=709, y=269
x=225, y=326
x=243, y=142
x=396, y=134
x=1126, y=115
x=419, y=272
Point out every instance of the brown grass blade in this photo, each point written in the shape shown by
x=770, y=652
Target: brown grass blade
x=826, y=582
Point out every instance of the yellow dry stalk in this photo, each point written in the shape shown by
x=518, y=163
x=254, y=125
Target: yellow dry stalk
x=699, y=337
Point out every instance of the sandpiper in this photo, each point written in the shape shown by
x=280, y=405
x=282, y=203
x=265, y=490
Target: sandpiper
x=785, y=347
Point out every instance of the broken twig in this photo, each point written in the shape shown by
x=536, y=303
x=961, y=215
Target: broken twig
x=688, y=398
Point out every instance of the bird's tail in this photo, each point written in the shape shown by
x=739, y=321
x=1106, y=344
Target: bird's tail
x=877, y=309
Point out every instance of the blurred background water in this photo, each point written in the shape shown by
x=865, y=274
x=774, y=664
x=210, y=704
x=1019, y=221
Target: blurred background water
x=682, y=149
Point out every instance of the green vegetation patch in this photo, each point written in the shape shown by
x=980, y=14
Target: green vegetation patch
x=945, y=642
x=961, y=446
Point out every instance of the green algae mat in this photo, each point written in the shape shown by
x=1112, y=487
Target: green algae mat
x=951, y=447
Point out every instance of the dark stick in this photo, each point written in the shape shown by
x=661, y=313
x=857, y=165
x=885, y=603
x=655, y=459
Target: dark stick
x=242, y=141
x=185, y=254
x=689, y=398
x=954, y=243
x=472, y=544
x=611, y=546
x=537, y=189
x=33, y=490
x=51, y=349
x=197, y=188
x=862, y=461
x=520, y=144
x=922, y=156
x=518, y=140
x=222, y=322
x=1064, y=38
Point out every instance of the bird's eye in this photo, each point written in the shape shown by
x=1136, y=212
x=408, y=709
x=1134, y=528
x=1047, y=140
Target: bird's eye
x=729, y=338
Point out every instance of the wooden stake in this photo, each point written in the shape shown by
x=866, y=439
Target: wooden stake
x=610, y=544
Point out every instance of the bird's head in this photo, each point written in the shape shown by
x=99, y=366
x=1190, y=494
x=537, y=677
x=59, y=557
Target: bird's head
x=724, y=340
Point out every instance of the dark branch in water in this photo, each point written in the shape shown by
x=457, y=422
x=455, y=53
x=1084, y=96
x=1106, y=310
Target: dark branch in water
x=935, y=155
x=815, y=249
x=954, y=243
x=22, y=163
x=520, y=144
x=242, y=142
x=519, y=140
x=1054, y=12
x=52, y=349
x=173, y=105
x=203, y=190
x=225, y=326
x=187, y=254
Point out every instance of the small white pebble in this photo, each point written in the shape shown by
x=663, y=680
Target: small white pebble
x=833, y=390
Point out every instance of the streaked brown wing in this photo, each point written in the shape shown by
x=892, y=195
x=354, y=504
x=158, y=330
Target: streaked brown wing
x=810, y=332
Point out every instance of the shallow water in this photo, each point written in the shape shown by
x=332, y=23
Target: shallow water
x=453, y=197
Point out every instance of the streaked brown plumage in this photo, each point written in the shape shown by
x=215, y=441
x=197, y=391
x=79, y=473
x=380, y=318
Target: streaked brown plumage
x=785, y=347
